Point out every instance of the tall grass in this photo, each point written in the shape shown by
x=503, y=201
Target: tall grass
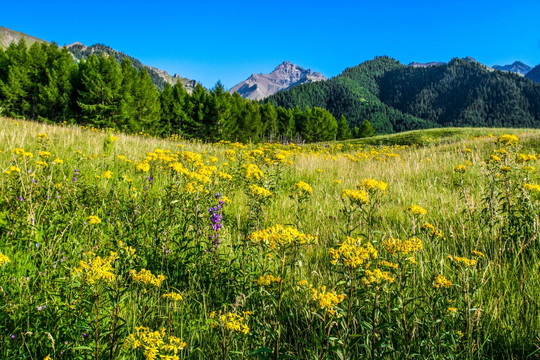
x=93, y=241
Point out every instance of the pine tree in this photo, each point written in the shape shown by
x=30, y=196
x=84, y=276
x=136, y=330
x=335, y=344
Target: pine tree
x=100, y=97
x=269, y=119
x=146, y=103
x=343, y=131
x=366, y=129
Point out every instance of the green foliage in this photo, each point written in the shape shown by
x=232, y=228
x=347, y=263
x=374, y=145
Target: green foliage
x=396, y=98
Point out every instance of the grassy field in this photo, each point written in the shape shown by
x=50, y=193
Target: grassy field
x=418, y=245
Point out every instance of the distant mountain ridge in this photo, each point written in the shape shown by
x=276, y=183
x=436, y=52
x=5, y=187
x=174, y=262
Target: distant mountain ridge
x=396, y=98
x=534, y=74
x=7, y=36
x=80, y=51
x=159, y=77
x=285, y=76
x=517, y=67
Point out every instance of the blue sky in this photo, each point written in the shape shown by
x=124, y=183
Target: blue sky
x=228, y=41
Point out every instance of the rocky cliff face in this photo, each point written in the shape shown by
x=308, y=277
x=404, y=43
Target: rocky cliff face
x=285, y=76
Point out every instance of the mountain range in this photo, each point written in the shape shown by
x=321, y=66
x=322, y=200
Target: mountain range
x=395, y=97
x=516, y=67
x=80, y=52
x=285, y=76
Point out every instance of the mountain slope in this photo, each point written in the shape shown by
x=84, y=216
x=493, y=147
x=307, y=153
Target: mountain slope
x=159, y=77
x=516, y=67
x=396, y=98
x=8, y=36
x=534, y=74
x=285, y=76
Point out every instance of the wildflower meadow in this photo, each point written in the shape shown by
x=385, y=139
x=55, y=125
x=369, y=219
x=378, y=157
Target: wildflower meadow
x=130, y=247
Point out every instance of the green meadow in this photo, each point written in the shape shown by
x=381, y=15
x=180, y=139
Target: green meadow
x=419, y=245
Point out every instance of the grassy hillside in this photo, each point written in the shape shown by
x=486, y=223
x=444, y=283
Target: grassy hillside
x=396, y=98
x=115, y=246
x=7, y=36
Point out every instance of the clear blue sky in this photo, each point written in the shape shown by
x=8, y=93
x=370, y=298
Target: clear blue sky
x=229, y=40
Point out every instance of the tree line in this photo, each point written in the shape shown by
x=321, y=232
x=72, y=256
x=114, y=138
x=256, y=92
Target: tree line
x=45, y=83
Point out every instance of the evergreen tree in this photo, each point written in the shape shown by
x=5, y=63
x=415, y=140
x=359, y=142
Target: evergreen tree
x=343, y=131
x=146, y=104
x=100, y=97
x=127, y=111
x=269, y=119
x=366, y=130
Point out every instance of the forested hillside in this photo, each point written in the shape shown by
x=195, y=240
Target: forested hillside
x=396, y=98
x=44, y=83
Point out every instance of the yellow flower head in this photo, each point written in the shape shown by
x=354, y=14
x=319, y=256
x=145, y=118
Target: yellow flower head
x=395, y=246
x=460, y=169
x=252, y=171
x=279, y=236
x=267, y=280
x=107, y=174
x=507, y=140
x=352, y=253
x=417, y=210
x=372, y=184
x=3, y=259
x=327, y=300
x=303, y=188
x=260, y=192
x=45, y=154
x=376, y=276
x=147, y=278
x=441, y=282
x=173, y=296
x=358, y=197
x=93, y=219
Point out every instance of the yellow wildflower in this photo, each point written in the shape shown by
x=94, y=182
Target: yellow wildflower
x=252, y=171
x=532, y=187
x=461, y=261
x=352, y=253
x=395, y=246
x=372, y=184
x=98, y=268
x=478, y=253
x=44, y=154
x=376, y=276
x=260, y=192
x=507, y=140
x=143, y=167
x=58, y=161
x=173, y=296
x=267, y=280
x=460, y=169
x=356, y=196
x=327, y=300
x=3, y=259
x=93, y=219
x=303, y=188
x=147, y=278
x=107, y=174
x=441, y=282
x=417, y=210
x=279, y=236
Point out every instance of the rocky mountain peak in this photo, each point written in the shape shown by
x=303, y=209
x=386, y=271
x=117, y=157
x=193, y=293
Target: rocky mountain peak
x=284, y=76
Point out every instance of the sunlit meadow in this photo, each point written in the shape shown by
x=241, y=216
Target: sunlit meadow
x=129, y=247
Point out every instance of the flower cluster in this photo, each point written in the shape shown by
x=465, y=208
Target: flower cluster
x=155, y=344
x=147, y=278
x=260, y=192
x=231, y=321
x=395, y=246
x=441, y=282
x=279, y=236
x=352, y=253
x=3, y=259
x=303, y=188
x=173, y=296
x=417, y=210
x=215, y=219
x=532, y=187
x=460, y=168
x=93, y=219
x=507, y=140
x=252, y=171
x=372, y=184
x=376, y=276
x=461, y=261
x=327, y=300
x=358, y=197
x=267, y=280
x=98, y=268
